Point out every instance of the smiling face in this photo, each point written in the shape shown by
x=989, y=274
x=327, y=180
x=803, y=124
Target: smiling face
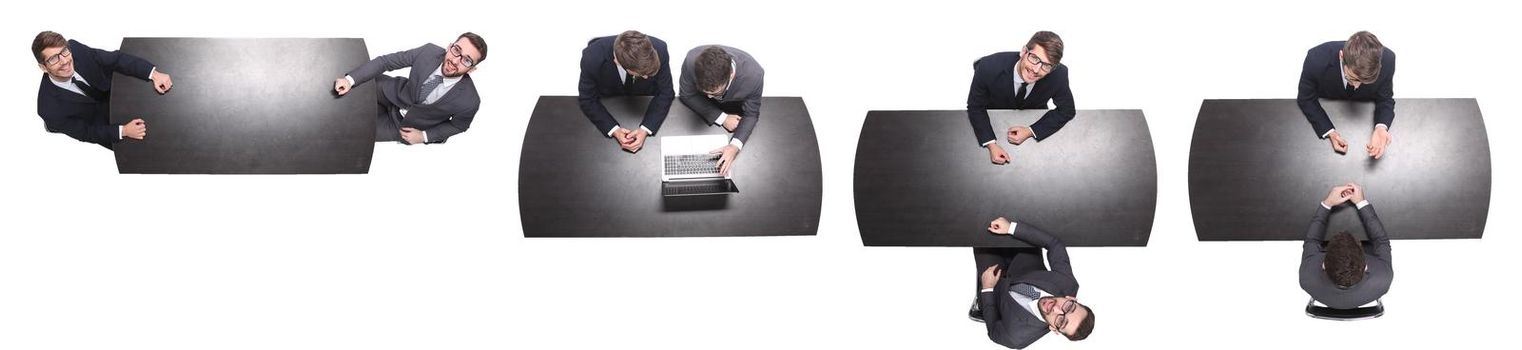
x=461, y=58
x=1034, y=64
x=62, y=66
x=1062, y=314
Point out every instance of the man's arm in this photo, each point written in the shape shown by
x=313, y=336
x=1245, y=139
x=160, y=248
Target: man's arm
x=1315, y=234
x=589, y=99
x=114, y=61
x=1054, y=119
x=457, y=123
x=660, y=105
x=1307, y=99
x=750, y=113
x=385, y=63
x=1384, y=104
x=1376, y=232
x=1056, y=251
x=77, y=128
x=977, y=109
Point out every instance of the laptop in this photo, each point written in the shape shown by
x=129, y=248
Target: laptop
x=688, y=170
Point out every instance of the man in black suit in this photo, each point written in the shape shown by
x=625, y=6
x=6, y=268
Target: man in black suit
x=1359, y=69
x=1343, y=273
x=75, y=96
x=629, y=64
x=1020, y=80
x=1019, y=300
x=436, y=101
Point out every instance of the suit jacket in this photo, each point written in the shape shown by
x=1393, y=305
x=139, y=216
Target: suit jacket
x=599, y=77
x=1376, y=251
x=993, y=87
x=1008, y=323
x=1321, y=77
x=451, y=114
x=81, y=117
x=744, y=90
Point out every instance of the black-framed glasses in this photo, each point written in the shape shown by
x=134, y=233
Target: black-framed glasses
x=1042, y=65
x=58, y=57
x=454, y=49
x=1067, y=308
x=719, y=94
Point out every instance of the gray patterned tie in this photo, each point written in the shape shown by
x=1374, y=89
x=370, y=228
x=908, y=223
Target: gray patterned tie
x=428, y=86
x=1026, y=290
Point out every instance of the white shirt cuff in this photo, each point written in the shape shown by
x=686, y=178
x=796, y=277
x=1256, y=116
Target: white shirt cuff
x=1382, y=125
x=350, y=79
x=151, y=71
x=1328, y=132
x=119, y=129
x=986, y=290
x=738, y=144
x=425, y=137
x=720, y=120
x=1361, y=204
x=1012, y=225
x=1033, y=132
x=611, y=130
x=647, y=130
x=985, y=144
x=1323, y=205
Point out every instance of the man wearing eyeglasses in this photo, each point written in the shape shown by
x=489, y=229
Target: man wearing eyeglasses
x=1020, y=80
x=1342, y=273
x=1359, y=69
x=75, y=96
x=436, y=101
x=1019, y=300
x=723, y=86
x=629, y=64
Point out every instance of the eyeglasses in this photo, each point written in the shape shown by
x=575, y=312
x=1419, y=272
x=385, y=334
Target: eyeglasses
x=1061, y=320
x=718, y=94
x=54, y=59
x=454, y=49
x=1042, y=65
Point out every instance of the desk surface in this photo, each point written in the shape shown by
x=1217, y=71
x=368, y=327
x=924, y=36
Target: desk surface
x=1256, y=170
x=246, y=106
x=575, y=182
x=921, y=180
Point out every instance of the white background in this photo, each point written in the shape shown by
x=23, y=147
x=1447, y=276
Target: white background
x=426, y=251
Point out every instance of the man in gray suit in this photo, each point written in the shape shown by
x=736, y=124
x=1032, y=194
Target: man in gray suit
x=1019, y=300
x=437, y=100
x=1344, y=274
x=723, y=86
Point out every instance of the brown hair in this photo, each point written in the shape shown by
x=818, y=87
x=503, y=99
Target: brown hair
x=713, y=68
x=45, y=40
x=1048, y=41
x=1361, y=55
x=1085, y=327
x=1344, y=260
x=478, y=42
x=633, y=50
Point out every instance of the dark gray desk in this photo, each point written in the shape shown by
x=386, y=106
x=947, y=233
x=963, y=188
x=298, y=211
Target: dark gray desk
x=575, y=182
x=247, y=106
x=922, y=180
x=1256, y=169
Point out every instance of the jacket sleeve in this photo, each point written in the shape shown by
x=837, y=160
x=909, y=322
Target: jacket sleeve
x=1053, y=120
x=588, y=98
x=977, y=107
x=388, y=62
x=1307, y=99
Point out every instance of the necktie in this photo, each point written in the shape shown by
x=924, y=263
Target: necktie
x=1025, y=289
x=428, y=86
x=628, y=83
x=1020, y=94
x=90, y=92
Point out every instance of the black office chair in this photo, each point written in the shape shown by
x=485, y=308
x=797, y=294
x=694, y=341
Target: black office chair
x=1354, y=314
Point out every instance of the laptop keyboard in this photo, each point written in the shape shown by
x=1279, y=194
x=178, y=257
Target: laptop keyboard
x=697, y=187
x=692, y=164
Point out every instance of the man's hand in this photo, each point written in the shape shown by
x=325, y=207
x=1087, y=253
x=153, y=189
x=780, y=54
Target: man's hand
x=1018, y=134
x=1356, y=195
x=633, y=141
x=412, y=136
x=727, y=159
x=1338, y=195
x=991, y=276
x=1338, y=144
x=341, y=86
x=999, y=226
x=997, y=155
x=136, y=129
x=731, y=122
x=161, y=82
x=1378, y=142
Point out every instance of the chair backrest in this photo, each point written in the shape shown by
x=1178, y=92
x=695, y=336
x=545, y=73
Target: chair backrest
x=1354, y=314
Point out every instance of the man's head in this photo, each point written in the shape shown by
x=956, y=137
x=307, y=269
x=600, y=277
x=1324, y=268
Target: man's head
x=1344, y=262
x=633, y=51
x=464, y=55
x=1066, y=316
x=1041, y=55
x=53, y=56
x=713, y=71
x=1361, y=58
